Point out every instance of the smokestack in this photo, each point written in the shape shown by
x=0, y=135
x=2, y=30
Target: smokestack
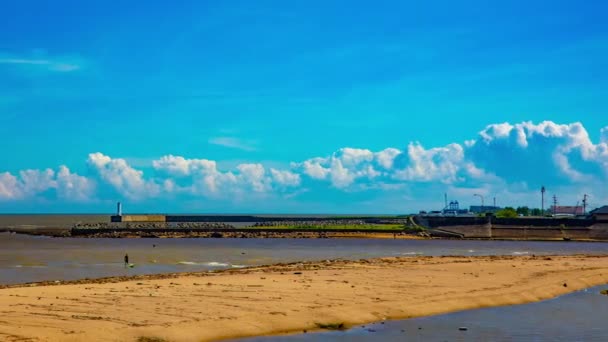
x=118, y=209
x=446, y=200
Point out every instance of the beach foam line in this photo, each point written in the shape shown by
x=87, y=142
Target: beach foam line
x=217, y=264
x=210, y=264
x=29, y=266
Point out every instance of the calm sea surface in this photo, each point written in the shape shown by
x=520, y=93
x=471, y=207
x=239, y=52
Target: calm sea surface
x=26, y=258
x=579, y=316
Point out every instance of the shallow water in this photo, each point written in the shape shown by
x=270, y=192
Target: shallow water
x=579, y=316
x=26, y=258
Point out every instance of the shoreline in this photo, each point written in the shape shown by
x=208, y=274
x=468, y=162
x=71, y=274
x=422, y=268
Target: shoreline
x=271, y=234
x=287, y=298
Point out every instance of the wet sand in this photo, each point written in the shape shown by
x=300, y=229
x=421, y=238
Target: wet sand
x=285, y=298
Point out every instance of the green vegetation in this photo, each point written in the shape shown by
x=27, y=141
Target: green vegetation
x=412, y=228
x=604, y=292
x=523, y=211
x=507, y=212
x=331, y=326
x=384, y=227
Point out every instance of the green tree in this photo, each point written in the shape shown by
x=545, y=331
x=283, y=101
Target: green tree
x=507, y=212
x=536, y=212
x=524, y=211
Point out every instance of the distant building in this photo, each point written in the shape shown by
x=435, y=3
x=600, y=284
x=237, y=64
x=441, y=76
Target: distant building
x=600, y=214
x=453, y=209
x=478, y=209
x=567, y=210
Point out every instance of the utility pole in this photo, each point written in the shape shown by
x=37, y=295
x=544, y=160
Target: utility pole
x=494, y=202
x=554, y=204
x=482, y=202
x=542, y=193
x=585, y=204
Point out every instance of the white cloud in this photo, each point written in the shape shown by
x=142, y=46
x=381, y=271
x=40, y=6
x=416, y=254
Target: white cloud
x=207, y=180
x=314, y=168
x=254, y=175
x=516, y=157
x=386, y=158
x=341, y=177
x=32, y=183
x=180, y=166
x=435, y=164
x=232, y=142
x=36, y=181
x=285, y=178
x=547, y=138
x=9, y=187
x=126, y=180
x=48, y=64
x=73, y=186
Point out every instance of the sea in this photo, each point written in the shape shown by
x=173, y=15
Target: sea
x=26, y=258
x=578, y=316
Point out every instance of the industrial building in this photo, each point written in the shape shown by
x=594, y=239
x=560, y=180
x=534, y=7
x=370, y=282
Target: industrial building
x=600, y=214
x=567, y=210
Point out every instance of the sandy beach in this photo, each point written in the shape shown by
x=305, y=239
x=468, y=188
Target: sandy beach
x=284, y=298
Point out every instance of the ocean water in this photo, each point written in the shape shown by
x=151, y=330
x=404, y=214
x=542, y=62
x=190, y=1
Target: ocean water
x=579, y=316
x=26, y=258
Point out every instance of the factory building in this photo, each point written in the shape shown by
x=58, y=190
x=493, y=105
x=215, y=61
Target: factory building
x=567, y=210
x=600, y=214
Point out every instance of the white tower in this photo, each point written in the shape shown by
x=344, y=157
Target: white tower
x=118, y=209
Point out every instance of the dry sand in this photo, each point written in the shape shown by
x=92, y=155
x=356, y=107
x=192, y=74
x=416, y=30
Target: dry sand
x=285, y=298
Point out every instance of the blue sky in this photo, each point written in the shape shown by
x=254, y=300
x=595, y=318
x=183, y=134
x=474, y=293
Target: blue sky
x=93, y=96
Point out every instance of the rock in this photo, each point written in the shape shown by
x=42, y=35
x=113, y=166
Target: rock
x=604, y=292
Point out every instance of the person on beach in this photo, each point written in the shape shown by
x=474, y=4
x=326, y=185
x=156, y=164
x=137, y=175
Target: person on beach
x=126, y=260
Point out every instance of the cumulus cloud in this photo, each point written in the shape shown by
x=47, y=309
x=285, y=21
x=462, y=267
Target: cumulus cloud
x=435, y=164
x=512, y=151
x=518, y=157
x=285, y=177
x=349, y=165
x=206, y=179
x=73, y=186
x=9, y=186
x=31, y=183
x=180, y=166
x=128, y=181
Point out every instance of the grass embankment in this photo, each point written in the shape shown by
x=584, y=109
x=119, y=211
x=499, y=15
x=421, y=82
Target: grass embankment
x=336, y=227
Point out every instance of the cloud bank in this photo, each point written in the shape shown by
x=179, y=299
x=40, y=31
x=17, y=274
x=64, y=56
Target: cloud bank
x=511, y=160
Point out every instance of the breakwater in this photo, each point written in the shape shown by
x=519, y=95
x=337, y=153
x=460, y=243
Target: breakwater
x=515, y=228
x=282, y=228
x=249, y=218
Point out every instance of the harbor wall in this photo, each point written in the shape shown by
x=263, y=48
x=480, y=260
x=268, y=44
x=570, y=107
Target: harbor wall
x=518, y=228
